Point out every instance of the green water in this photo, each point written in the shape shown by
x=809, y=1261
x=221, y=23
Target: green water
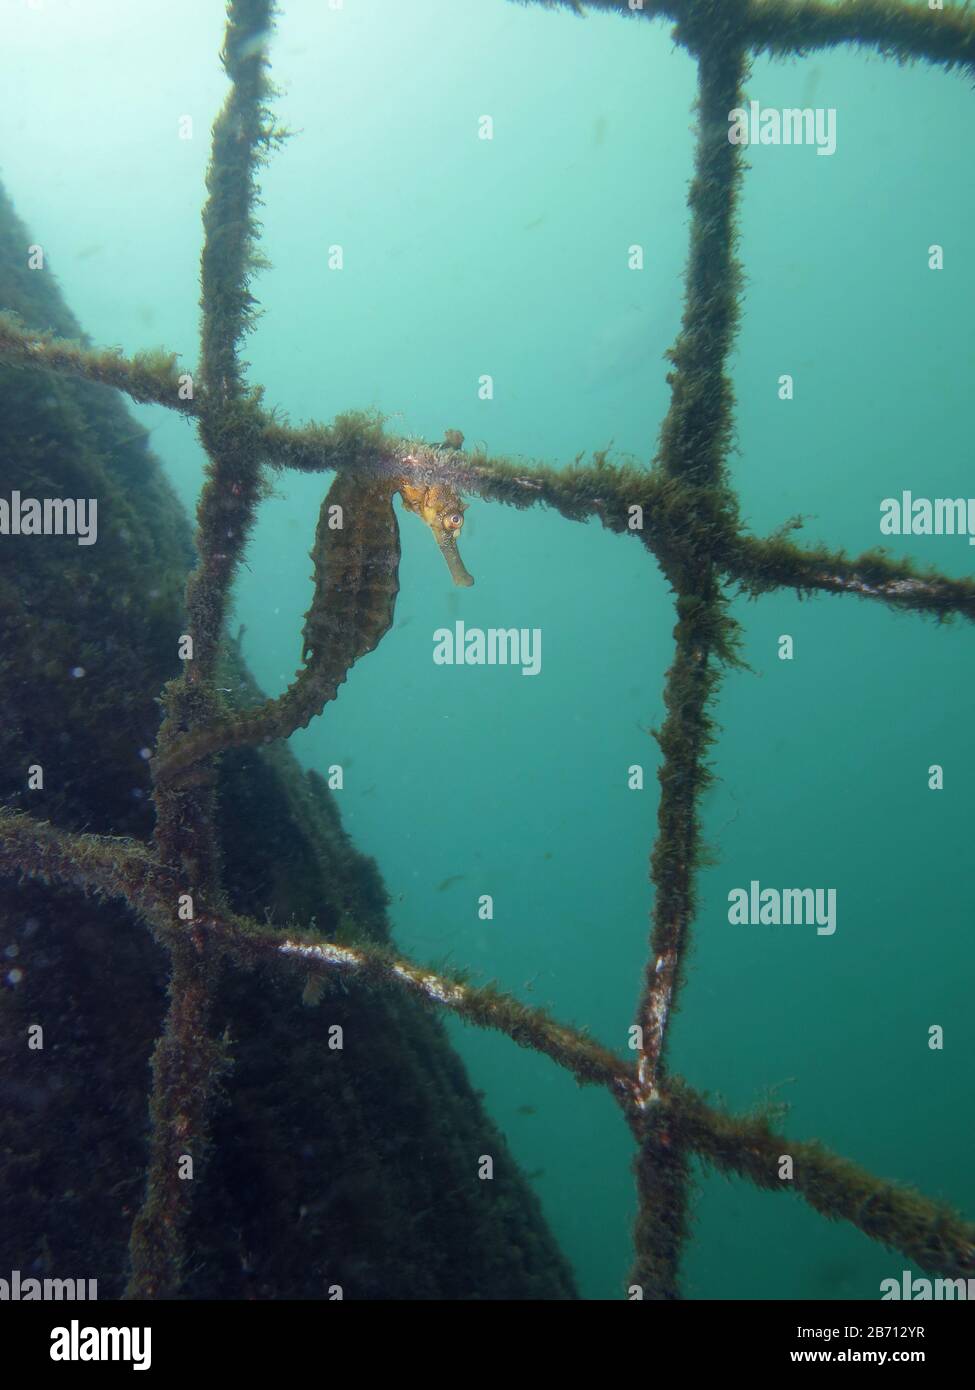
x=508, y=257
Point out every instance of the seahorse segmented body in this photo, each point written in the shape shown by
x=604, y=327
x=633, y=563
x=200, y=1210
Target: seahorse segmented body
x=356, y=556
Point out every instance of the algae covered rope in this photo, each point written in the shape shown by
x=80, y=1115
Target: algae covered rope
x=693, y=442
x=356, y=556
x=189, y=1059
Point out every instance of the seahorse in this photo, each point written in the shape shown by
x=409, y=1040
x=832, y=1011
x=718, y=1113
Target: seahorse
x=356, y=556
x=357, y=569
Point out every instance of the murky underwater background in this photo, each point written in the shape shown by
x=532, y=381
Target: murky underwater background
x=508, y=257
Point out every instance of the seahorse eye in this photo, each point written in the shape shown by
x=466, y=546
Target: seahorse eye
x=454, y=520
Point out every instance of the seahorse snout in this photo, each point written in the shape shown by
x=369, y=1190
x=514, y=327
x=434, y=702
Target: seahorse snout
x=458, y=571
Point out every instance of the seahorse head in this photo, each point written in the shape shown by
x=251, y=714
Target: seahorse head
x=443, y=512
